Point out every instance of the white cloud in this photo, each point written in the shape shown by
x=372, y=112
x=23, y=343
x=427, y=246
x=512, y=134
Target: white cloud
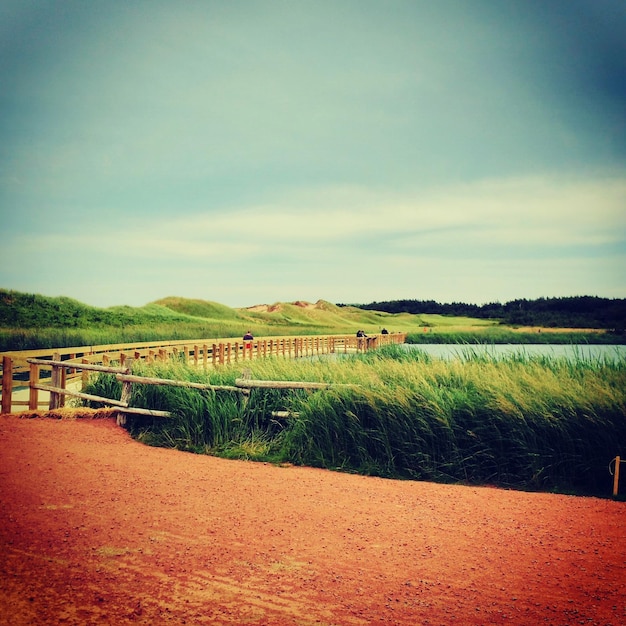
x=529, y=212
x=522, y=213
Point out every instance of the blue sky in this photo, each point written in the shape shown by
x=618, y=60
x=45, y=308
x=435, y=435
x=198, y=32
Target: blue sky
x=250, y=152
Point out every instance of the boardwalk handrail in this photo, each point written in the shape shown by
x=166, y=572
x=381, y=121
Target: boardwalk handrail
x=22, y=369
x=242, y=386
x=247, y=383
x=146, y=380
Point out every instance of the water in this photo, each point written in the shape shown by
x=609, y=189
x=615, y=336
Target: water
x=574, y=353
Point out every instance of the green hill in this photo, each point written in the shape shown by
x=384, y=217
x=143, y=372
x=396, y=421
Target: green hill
x=31, y=321
x=198, y=308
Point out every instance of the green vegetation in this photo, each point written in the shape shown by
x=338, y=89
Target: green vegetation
x=517, y=421
x=504, y=335
x=29, y=322
x=572, y=312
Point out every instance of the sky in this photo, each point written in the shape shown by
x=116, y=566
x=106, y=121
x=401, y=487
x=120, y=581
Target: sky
x=261, y=151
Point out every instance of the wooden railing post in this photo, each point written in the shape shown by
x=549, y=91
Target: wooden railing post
x=84, y=375
x=63, y=381
x=54, y=382
x=127, y=388
x=33, y=394
x=616, y=475
x=7, y=383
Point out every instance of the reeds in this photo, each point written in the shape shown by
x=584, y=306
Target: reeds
x=506, y=335
x=517, y=421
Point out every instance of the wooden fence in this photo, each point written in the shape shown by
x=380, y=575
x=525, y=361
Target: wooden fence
x=61, y=372
x=242, y=386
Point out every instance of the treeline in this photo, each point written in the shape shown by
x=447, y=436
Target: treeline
x=571, y=312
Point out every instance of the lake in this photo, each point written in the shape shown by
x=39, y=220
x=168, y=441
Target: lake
x=575, y=353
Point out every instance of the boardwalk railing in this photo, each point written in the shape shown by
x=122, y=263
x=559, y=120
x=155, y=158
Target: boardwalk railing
x=55, y=371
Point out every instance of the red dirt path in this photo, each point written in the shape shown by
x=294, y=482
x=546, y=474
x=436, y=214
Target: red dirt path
x=96, y=528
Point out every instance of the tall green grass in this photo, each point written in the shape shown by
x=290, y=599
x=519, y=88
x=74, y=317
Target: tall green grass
x=504, y=335
x=517, y=421
x=12, y=339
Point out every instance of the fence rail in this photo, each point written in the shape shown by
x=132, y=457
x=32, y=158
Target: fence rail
x=63, y=371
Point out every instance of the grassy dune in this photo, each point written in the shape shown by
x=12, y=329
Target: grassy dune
x=30, y=321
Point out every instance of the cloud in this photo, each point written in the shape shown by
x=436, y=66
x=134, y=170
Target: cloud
x=525, y=213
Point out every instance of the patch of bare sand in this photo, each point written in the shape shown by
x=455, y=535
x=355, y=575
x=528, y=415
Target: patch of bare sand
x=97, y=528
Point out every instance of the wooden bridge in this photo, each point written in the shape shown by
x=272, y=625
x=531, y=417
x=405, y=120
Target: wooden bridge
x=52, y=371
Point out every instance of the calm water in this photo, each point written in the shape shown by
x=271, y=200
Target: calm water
x=587, y=352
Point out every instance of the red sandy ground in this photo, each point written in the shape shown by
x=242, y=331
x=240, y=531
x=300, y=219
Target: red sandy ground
x=96, y=528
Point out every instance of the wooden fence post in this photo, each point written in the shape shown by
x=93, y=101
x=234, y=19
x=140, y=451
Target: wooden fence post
x=125, y=397
x=84, y=375
x=54, y=382
x=7, y=383
x=616, y=476
x=33, y=394
x=63, y=380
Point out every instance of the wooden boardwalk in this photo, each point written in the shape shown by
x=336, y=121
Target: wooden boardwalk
x=24, y=373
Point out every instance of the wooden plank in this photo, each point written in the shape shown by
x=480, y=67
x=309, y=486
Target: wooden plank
x=284, y=414
x=7, y=384
x=83, y=366
x=54, y=396
x=284, y=384
x=151, y=412
x=79, y=394
x=33, y=397
x=145, y=380
x=27, y=404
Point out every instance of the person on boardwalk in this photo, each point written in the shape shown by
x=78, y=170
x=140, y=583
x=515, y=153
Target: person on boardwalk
x=248, y=337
